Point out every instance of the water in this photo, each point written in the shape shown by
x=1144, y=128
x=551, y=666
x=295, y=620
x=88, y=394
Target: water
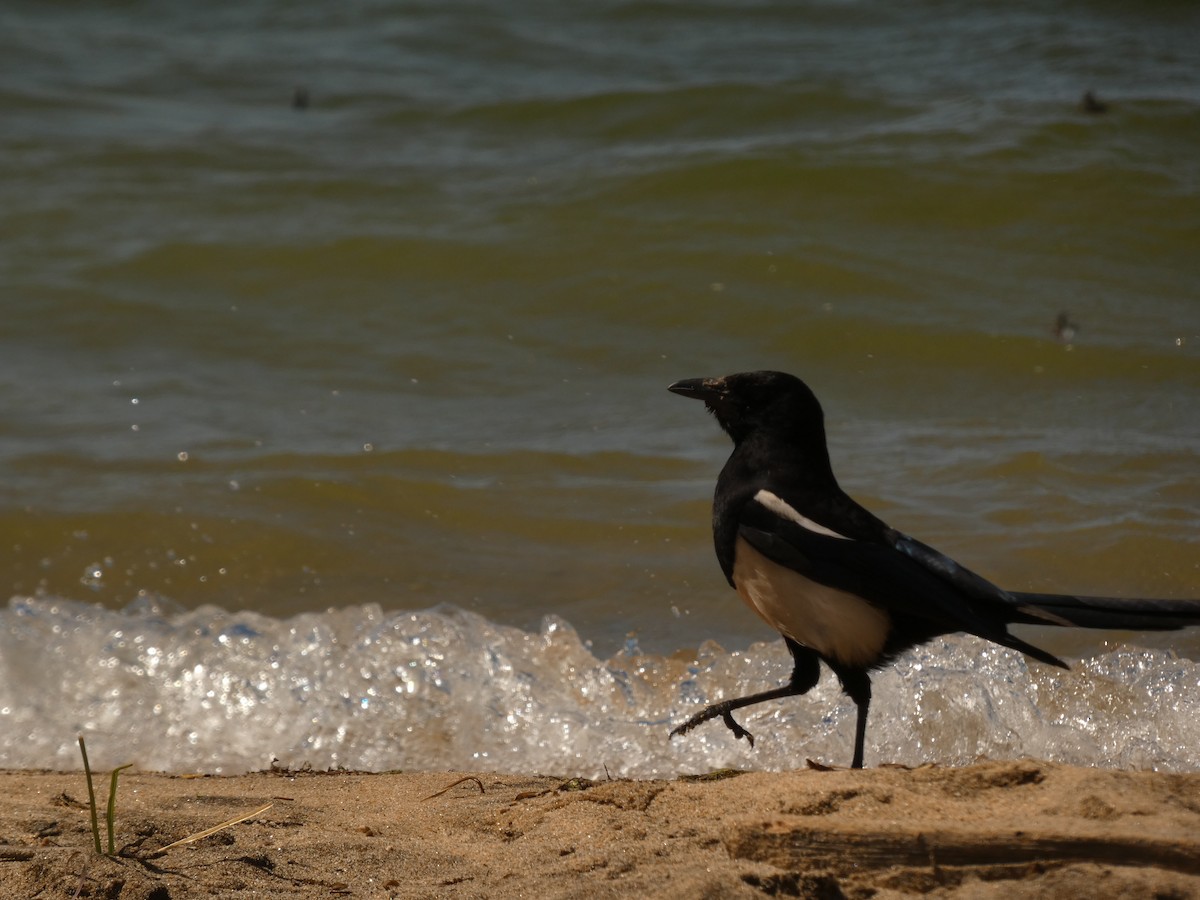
x=274, y=371
x=206, y=690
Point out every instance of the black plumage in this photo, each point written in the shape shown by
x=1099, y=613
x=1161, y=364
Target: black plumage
x=839, y=584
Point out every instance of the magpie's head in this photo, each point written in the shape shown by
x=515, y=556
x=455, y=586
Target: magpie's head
x=774, y=403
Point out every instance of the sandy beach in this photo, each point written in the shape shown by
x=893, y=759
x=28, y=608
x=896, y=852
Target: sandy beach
x=994, y=829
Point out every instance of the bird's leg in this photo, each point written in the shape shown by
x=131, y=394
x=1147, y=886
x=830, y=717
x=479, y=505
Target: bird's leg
x=804, y=675
x=725, y=708
x=857, y=685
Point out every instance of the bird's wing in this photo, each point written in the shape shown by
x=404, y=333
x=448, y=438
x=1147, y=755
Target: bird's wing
x=883, y=575
x=963, y=579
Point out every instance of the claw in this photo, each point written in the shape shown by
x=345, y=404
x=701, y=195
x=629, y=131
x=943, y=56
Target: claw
x=738, y=731
x=691, y=723
x=711, y=712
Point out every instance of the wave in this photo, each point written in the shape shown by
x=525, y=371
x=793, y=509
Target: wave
x=214, y=691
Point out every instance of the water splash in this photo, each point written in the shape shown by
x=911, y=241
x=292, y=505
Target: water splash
x=217, y=691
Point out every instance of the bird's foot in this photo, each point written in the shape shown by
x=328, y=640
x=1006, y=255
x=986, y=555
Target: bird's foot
x=738, y=731
x=711, y=712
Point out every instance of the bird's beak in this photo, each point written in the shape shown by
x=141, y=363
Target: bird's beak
x=698, y=388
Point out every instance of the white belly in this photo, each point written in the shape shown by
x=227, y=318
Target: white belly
x=838, y=625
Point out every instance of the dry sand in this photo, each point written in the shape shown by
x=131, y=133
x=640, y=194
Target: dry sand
x=992, y=830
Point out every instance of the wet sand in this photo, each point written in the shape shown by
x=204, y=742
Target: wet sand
x=995, y=829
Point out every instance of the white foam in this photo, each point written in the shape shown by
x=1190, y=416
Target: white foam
x=214, y=691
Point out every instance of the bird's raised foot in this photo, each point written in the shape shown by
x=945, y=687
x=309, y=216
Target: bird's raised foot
x=711, y=712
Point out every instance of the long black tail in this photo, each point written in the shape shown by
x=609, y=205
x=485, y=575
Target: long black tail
x=1133, y=613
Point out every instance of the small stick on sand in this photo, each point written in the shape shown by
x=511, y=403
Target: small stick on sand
x=456, y=784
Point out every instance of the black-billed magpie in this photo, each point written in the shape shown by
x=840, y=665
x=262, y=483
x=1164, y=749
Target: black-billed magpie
x=839, y=584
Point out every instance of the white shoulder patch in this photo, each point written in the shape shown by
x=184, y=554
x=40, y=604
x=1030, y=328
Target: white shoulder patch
x=781, y=507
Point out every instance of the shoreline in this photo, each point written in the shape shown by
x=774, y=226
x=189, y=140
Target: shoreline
x=983, y=830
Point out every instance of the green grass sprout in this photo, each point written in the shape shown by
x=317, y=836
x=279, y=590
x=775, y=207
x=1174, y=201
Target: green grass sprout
x=110, y=817
x=112, y=807
x=87, y=770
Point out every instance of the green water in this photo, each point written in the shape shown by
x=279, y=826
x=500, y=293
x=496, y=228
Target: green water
x=409, y=344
